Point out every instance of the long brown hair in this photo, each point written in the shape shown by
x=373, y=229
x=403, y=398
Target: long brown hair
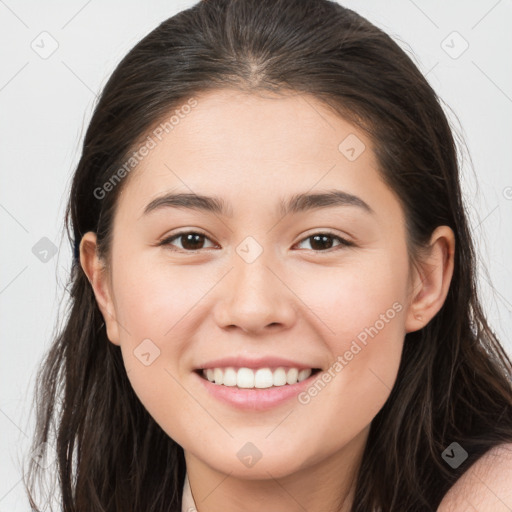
x=454, y=380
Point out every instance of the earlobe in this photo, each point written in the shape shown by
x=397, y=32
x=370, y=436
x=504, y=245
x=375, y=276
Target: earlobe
x=96, y=273
x=432, y=279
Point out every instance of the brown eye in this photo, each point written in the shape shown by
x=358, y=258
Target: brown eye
x=322, y=242
x=190, y=241
x=193, y=241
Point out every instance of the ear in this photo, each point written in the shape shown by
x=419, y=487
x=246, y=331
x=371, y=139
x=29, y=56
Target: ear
x=431, y=279
x=98, y=276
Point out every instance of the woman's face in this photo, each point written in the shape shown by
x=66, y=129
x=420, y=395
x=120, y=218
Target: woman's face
x=265, y=276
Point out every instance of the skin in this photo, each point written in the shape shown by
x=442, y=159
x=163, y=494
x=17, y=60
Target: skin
x=485, y=487
x=296, y=300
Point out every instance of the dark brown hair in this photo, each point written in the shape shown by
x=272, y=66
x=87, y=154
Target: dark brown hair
x=454, y=380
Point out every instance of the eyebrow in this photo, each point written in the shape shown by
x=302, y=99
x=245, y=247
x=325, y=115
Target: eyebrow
x=297, y=203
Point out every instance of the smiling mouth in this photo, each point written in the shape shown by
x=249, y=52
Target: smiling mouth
x=262, y=378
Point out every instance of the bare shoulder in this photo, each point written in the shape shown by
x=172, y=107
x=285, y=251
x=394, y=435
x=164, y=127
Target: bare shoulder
x=485, y=487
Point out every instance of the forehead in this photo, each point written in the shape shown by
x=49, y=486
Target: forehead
x=240, y=145
x=269, y=125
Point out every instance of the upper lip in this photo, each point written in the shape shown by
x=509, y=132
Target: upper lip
x=259, y=362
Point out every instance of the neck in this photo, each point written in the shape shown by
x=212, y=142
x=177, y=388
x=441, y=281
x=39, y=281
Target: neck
x=320, y=486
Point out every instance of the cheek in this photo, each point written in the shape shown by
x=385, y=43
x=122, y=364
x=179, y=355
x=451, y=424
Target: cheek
x=154, y=300
x=364, y=308
x=361, y=299
x=153, y=306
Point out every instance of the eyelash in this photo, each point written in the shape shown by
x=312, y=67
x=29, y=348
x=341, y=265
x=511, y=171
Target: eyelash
x=343, y=242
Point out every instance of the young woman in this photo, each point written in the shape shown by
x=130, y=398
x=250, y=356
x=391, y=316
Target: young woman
x=274, y=301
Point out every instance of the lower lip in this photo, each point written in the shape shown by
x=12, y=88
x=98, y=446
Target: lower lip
x=256, y=399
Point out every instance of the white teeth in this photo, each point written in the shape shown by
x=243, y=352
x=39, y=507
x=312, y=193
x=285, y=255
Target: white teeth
x=263, y=378
x=230, y=377
x=244, y=378
x=217, y=375
x=279, y=377
x=303, y=374
x=260, y=378
x=291, y=376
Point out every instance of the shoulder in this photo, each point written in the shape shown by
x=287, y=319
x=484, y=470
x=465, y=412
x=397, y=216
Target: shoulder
x=485, y=487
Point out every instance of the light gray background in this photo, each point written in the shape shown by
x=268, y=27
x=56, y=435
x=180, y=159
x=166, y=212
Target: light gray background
x=46, y=104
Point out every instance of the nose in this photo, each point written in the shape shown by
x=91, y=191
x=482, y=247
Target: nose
x=255, y=298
